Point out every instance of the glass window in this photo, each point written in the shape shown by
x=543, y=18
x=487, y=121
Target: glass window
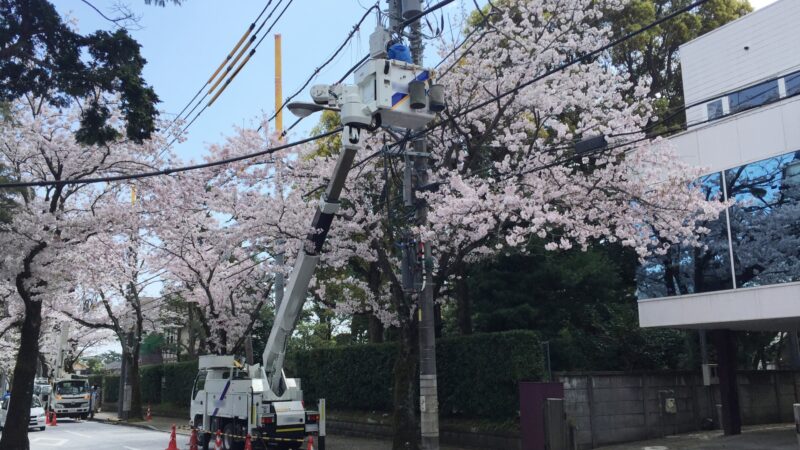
x=687, y=269
x=199, y=382
x=792, y=84
x=71, y=387
x=714, y=109
x=765, y=221
x=754, y=96
x=36, y=403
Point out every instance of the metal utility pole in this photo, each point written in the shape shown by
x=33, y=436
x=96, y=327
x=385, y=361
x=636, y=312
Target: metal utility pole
x=421, y=277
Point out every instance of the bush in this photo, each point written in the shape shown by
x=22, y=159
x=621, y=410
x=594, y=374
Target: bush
x=354, y=377
x=151, y=383
x=179, y=378
x=110, y=388
x=478, y=375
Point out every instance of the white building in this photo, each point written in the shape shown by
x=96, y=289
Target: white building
x=741, y=84
x=742, y=95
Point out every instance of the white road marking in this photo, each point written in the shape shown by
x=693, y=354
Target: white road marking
x=49, y=442
x=77, y=434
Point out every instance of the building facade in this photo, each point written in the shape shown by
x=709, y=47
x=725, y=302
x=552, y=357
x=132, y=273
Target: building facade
x=742, y=101
x=742, y=88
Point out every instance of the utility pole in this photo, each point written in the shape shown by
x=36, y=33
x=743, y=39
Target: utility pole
x=279, y=258
x=421, y=278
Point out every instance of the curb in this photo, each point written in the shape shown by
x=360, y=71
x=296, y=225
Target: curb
x=128, y=424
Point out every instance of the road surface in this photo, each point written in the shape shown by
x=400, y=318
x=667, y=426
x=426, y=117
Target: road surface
x=69, y=435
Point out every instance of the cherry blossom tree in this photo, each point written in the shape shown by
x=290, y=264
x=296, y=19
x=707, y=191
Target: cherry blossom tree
x=51, y=224
x=208, y=232
x=503, y=170
x=119, y=270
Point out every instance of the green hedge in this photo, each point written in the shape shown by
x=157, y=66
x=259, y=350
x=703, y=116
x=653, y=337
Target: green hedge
x=179, y=379
x=352, y=377
x=478, y=375
x=110, y=388
x=151, y=383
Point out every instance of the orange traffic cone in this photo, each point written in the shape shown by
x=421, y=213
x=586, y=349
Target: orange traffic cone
x=310, y=443
x=54, y=420
x=218, y=443
x=247, y=444
x=47, y=418
x=148, y=417
x=193, y=440
x=173, y=444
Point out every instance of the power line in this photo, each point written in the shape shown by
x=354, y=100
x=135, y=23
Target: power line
x=407, y=138
x=168, y=171
x=231, y=66
x=317, y=70
x=222, y=64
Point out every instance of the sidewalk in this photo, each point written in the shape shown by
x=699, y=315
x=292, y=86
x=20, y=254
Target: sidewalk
x=760, y=437
x=334, y=442
x=158, y=423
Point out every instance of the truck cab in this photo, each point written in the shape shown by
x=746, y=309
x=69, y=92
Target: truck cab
x=71, y=397
x=234, y=398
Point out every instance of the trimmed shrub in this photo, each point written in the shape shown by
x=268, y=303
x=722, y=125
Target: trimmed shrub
x=179, y=378
x=110, y=388
x=352, y=377
x=151, y=383
x=478, y=375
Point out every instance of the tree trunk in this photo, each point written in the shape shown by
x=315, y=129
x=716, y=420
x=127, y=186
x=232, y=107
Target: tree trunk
x=136, y=384
x=375, y=329
x=406, y=432
x=15, y=433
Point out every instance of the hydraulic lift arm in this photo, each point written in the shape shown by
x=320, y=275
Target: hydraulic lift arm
x=296, y=290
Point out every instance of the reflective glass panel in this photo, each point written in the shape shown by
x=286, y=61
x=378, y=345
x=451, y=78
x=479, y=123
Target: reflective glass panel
x=754, y=96
x=765, y=221
x=714, y=109
x=687, y=269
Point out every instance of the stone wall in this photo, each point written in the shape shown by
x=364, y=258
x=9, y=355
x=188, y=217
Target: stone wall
x=611, y=407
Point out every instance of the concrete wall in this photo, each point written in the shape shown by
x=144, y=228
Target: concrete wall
x=609, y=407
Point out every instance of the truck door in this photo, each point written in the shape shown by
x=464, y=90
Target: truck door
x=199, y=396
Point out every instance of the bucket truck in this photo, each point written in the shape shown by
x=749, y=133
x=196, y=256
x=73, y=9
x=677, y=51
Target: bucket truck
x=260, y=399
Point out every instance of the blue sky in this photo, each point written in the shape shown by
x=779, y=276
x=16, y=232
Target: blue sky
x=184, y=44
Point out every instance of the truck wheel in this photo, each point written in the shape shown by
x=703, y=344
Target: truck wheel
x=228, y=441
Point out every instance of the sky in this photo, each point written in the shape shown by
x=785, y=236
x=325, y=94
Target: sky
x=184, y=44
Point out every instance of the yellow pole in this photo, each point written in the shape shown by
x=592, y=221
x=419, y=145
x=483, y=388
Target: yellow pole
x=278, y=87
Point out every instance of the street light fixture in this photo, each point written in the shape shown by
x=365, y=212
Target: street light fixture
x=305, y=109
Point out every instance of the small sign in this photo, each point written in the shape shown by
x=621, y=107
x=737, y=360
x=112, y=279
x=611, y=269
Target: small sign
x=126, y=398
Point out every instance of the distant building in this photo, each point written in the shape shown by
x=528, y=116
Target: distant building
x=113, y=368
x=742, y=93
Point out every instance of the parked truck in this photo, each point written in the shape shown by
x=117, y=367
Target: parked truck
x=71, y=397
x=259, y=399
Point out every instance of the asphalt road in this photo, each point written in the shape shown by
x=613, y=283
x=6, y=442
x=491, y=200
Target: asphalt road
x=69, y=435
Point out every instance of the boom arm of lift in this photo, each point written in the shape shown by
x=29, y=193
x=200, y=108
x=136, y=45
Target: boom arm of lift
x=296, y=290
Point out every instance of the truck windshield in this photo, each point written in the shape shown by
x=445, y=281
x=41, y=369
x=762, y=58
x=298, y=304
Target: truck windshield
x=71, y=387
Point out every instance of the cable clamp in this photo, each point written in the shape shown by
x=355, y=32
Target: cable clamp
x=326, y=207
